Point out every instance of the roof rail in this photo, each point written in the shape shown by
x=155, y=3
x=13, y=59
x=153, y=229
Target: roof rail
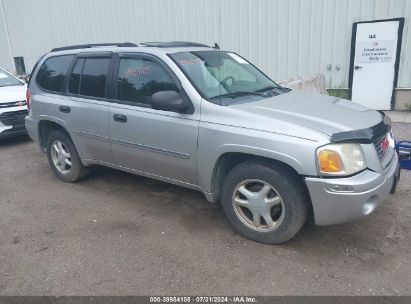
x=172, y=44
x=86, y=46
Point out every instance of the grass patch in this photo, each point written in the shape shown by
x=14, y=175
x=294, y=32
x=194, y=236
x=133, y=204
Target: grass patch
x=340, y=93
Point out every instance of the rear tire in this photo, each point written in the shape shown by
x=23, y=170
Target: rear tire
x=264, y=202
x=63, y=157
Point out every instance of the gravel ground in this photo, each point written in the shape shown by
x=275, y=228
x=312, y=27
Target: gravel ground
x=119, y=234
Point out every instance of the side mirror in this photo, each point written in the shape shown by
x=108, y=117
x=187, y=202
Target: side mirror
x=168, y=101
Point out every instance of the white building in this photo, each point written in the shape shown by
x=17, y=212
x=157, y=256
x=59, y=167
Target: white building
x=284, y=38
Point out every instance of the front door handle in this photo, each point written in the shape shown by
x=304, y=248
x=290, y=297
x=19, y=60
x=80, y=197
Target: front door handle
x=357, y=67
x=64, y=109
x=120, y=118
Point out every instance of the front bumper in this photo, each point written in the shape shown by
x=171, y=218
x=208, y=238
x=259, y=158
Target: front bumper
x=12, y=122
x=369, y=190
x=13, y=132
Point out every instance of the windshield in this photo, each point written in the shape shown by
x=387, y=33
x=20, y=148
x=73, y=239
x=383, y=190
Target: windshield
x=218, y=75
x=7, y=79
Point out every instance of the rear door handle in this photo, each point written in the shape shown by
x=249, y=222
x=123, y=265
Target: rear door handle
x=357, y=67
x=120, y=118
x=65, y=109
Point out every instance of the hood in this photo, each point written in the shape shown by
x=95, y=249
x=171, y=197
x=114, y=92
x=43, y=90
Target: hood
x=322, y=113
x=12, y=93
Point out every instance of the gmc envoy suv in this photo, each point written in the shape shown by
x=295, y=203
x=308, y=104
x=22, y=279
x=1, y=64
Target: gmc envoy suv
x=207, y=119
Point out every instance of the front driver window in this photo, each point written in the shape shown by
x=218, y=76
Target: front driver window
x=140, y=78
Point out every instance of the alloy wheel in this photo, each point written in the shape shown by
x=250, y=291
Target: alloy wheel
x=61, y=157
x=258, y=205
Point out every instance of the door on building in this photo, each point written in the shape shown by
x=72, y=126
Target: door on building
x=375, y=55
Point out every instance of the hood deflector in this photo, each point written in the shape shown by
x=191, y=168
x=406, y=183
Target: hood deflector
x=364, y=136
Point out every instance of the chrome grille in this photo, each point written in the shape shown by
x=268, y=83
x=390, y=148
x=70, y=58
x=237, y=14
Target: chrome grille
x=12, y=104
x=378, y=146
x=385, y=150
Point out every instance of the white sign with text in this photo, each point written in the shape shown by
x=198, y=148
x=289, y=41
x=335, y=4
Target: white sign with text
x=375, y=51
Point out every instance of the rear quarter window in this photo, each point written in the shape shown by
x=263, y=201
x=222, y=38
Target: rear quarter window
x=52, y=73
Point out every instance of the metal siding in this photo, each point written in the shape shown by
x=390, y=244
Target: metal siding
x=284, y=38
x=6, y=60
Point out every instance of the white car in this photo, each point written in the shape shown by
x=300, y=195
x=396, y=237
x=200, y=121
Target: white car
x=13, y=107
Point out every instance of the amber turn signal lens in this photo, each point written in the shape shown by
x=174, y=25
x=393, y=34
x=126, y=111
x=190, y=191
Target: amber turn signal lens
x=330, y=161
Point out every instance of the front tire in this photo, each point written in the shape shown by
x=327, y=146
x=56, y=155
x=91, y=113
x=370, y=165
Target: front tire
x=63, y=157
x=264, y=202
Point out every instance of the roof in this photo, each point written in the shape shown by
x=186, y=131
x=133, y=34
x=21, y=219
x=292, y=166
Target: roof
x=173, y=44
x=92, y=45
x=166, y=46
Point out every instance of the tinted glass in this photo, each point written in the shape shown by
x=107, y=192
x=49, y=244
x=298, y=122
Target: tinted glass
x=93, y=79
x=52, y=73
x=74, y=81
x=140, y=78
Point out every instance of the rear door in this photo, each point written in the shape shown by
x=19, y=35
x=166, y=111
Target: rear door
x=156, y=142
x=86, y=107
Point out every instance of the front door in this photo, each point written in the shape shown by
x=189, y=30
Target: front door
x=150, y=141
x=374, y=62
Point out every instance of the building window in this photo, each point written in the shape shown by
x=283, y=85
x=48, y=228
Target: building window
x=20, y=67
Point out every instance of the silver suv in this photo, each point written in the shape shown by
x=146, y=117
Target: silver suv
x=209, y=120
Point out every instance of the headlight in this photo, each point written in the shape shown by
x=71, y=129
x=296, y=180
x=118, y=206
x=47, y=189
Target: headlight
x=340, y=159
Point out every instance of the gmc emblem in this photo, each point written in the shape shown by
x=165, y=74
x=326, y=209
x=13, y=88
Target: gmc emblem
x=20, y=103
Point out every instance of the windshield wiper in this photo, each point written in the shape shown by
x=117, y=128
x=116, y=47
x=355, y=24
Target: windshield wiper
x=269, y=88
x=274, y=88
x=237, y=94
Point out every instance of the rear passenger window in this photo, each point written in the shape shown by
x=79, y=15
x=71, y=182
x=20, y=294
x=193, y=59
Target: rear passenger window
x=52, y=73
x=74, y=81
x=93, y=79
x=89, y=77
x=139, y=79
